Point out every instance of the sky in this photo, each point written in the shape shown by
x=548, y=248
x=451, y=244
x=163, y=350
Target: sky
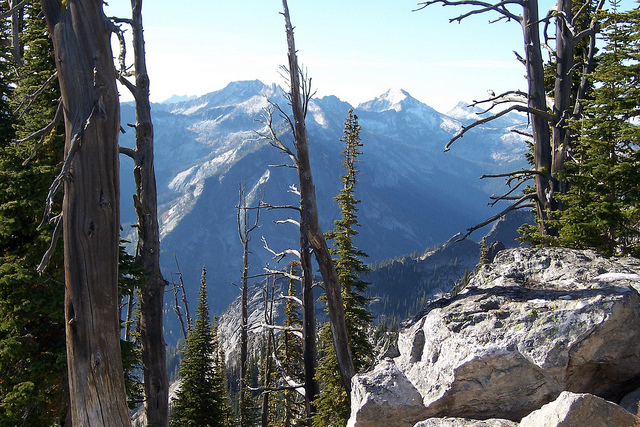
x=353, y=49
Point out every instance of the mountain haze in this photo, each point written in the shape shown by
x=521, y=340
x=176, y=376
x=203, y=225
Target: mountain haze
x=413, y=195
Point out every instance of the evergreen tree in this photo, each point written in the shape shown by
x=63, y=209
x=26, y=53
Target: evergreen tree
x=198, y=404
x=33, y=388
x=333, y=403
x=603, y=203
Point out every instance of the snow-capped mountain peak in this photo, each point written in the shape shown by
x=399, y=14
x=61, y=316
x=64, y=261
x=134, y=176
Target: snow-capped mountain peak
x=392, y=99
x=233, y=94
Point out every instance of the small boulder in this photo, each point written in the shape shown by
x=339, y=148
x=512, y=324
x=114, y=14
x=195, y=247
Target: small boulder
x=579, y=410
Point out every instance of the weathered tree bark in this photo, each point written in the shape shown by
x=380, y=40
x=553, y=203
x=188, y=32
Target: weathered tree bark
x=537, y=102
x=90, y=210
x=155, y=380
x=309, y=341
x=309, y=216
x=565, y=52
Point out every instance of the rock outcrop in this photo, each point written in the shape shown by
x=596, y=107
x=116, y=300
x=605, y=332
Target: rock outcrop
x=571, y=409
x=530, y=325
x=465, y=422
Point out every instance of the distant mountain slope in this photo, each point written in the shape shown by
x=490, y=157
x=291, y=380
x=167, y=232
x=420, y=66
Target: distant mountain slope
x=413, y=195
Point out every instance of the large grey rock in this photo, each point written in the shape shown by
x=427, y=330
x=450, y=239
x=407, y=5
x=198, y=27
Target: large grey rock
x=530, y=325
x=465, y=422
x=579, y=410
x=386, y=397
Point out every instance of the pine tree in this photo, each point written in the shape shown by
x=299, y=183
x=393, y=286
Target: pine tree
x=333, y=403
x=33, y=389
x=197, y=403
x=603, y=203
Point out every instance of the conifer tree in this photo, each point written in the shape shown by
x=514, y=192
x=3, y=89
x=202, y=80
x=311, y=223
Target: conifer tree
x=603, y=203
x=197, y=403
x=332, y=405
x=33, y=388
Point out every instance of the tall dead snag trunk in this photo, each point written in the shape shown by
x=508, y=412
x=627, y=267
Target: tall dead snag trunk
x=309, y=340
x=309, y=215
x=244, y=232
x=549, y=119
x=17, y=22
x=90, y=210
x=537, y=102
x=156, y=382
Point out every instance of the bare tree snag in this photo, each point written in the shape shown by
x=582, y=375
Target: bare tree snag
x=16, y=11
x=90, y=210
x=309, y=214
x=155, y=380
x=244, y=232
x=537, y=100
x=549, y=131
x=309, y=339
x=179, y=287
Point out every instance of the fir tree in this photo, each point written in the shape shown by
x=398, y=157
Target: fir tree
x=333, y=403
x=33, y=389
x=603, y=203
x=198, y=404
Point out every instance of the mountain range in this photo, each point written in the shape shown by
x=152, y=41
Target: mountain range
x=413, y=196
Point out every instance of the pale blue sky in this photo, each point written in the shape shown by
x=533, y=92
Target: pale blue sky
x=354, y=49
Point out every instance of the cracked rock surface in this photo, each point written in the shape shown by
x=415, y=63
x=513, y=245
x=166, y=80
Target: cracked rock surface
x=530, y=325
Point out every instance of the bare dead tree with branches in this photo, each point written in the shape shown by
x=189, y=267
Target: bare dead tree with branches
x=245, y=227
x=311, y=235
x=90, y=211
x=155, y=380
x=182, y=311
x=550, y=148
x=303, y=255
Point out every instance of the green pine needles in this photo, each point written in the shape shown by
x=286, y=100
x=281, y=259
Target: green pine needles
x=202, y=399
x=603, y=203
x=332, y=405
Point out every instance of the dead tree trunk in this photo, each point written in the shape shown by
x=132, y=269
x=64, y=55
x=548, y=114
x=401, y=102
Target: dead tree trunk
x=244, y=232
x=84, y=61
x=156, y=382
x=309, y=216
x=17, y=23
x=550, y=148
x=309, y=341
x=565, y=51
x=537, y=102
